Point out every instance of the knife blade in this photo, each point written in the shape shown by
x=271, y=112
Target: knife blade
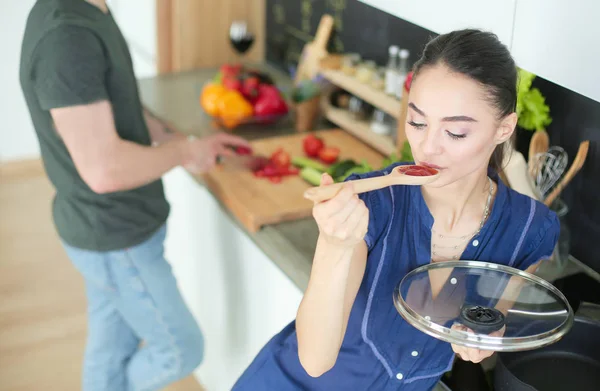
x=246, y=161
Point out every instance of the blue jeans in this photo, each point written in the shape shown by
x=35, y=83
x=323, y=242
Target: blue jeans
x=141, y=335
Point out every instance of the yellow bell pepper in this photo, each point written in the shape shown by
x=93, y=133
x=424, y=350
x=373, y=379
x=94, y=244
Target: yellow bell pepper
x=234, y=109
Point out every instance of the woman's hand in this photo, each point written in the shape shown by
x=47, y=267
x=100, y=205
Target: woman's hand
x=342, y=220
x=472, y=354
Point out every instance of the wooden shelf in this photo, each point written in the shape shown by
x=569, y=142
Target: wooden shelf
x=360, y=129
x=377, y=98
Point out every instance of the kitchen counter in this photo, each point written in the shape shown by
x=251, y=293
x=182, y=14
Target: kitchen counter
x=175, y=98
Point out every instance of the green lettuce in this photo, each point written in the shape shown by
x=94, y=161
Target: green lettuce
x=532, y=110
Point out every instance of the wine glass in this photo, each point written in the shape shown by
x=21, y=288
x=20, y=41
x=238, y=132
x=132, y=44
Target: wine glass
x=240, y=37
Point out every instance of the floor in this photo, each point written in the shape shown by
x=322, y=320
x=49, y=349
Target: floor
x=42, y=305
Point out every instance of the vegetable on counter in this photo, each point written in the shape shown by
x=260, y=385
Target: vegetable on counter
x=277, y=167
x=257, y=99
x=329, y=155
x=320, y=159
x=312, y=145
x=234, y=109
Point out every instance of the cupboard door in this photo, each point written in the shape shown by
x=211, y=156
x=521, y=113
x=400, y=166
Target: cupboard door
x=444, y=16
x=558, y=41
x=195, y=33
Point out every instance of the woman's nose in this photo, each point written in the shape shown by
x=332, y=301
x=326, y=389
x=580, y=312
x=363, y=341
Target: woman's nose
x=431, y=144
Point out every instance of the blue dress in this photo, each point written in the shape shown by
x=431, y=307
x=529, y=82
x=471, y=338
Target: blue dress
x=380, y=350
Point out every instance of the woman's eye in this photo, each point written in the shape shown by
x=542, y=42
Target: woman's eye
x=456, y=136
x=416, y=125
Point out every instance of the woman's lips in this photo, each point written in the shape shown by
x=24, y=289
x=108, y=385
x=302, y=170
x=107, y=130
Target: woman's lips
x=430, y=165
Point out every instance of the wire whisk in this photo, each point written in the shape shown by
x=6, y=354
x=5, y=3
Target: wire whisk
x=548, y=167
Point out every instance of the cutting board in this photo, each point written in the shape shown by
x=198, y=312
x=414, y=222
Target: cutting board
x=256, y=202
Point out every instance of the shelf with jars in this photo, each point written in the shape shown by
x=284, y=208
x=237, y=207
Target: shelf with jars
x=366, y=100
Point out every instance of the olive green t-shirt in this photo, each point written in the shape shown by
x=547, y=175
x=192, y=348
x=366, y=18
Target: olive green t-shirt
x=73, y=54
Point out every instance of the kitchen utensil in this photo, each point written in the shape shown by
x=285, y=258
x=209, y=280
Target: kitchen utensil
x=313, y=52
x=547, y=168
x=573, y=170
x=400, y=175
x=540, y=142
x=256, y=202
x=242, y=162
x=483, y=305
x=570, y=364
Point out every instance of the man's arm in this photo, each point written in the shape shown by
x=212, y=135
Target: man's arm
x=106, y=162
x=160, y=132
x=69, y=76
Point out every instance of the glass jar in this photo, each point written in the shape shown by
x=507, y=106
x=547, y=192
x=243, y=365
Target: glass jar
x=365, y=71
x=378, y=79
x=350, y=62
x=379, y=123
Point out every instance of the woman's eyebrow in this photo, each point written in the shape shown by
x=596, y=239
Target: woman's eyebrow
x=459, y=118
x=454, y=118
x=415, y=108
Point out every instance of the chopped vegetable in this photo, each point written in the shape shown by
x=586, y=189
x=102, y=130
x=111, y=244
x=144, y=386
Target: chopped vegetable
x=312, y=145
x=329, y=155
x=302, y=162
x=311, y=175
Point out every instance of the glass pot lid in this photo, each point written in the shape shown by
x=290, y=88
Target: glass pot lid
x=483, y=305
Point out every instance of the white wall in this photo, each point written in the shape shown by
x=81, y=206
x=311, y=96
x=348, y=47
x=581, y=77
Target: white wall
x=17, y=137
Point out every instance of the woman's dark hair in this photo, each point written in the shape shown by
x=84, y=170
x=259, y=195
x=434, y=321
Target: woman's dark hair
x=481, y=56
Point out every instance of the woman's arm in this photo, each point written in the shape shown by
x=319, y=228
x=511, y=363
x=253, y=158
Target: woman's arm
x=323, y=314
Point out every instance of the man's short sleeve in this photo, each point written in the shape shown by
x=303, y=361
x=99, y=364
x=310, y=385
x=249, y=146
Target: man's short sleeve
x=69, y=68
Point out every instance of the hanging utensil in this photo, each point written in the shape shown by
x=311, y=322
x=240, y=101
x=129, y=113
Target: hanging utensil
x=539, y=143
x=547, y=168
x=575, y=167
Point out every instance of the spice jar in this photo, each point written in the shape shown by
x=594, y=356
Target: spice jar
x=349, y=63
x=378, y=79
x=365, y=71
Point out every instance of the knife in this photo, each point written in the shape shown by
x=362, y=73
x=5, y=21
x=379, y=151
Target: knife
x=242, y=159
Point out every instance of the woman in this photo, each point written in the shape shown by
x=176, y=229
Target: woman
x=348, y=335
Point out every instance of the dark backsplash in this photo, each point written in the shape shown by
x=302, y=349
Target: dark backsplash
x=369, y=32
x=576, y=118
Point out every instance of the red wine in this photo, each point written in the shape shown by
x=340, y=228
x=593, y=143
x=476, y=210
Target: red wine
x=242, y=44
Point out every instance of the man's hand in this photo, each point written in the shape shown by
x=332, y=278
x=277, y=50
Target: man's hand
x=472, y=354
x=202, y=153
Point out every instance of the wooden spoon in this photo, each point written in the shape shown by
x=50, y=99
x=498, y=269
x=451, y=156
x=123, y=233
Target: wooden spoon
x=573, y=170
x=401, y=175
x=540, y=142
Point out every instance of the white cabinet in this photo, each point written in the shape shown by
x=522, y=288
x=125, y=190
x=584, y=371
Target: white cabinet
x=238, y=296
x=560, y=41
x=442, y=16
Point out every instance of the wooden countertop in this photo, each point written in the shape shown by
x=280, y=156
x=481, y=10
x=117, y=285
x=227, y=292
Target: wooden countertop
x=174, y=98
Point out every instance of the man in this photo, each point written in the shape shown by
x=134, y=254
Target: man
x=105, y=156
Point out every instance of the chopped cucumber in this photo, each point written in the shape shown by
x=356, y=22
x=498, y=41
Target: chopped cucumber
x=311, y=175
x=303, y=162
